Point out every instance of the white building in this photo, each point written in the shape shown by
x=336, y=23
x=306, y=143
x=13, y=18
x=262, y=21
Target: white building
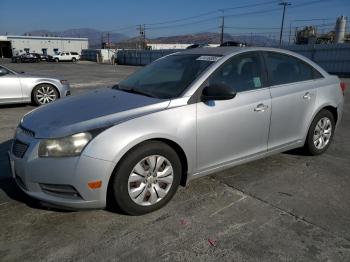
x=12, y=45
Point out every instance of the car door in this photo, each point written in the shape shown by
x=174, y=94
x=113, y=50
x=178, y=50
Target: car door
x=10, y=86
x=293, y=92
x=229, y=130
x=64, y=57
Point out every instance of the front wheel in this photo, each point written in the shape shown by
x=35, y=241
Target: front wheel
x=320, y=133
x=57, y=60
x=44, y=93
x=147, y=178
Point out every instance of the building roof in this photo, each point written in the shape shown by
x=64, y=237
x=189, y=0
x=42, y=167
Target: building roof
x=9, y=37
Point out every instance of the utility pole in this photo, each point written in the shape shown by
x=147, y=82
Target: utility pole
x=108, y=46
x=222, y=26
x=284, y=11
x=108, y=40
x=142, y=36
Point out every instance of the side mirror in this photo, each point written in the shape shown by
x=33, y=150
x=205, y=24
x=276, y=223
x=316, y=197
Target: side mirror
x=217, y=92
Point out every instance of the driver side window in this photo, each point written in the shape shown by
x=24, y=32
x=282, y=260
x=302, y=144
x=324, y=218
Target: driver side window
x=241, y=72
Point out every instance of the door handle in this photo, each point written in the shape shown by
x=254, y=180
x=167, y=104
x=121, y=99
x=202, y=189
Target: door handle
x=307, y=96
x=261, y=108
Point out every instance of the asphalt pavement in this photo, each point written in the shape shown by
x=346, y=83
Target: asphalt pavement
x=287, y=207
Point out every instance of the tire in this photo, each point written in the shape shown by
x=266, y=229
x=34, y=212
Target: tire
x=44, y=94
x=320, y=133
x=139, y=192
x=74, y=60
x=57, y=60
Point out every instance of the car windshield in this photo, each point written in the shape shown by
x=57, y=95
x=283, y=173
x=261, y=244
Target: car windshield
x=167, y=77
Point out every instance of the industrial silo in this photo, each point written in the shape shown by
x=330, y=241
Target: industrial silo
x=340, y=29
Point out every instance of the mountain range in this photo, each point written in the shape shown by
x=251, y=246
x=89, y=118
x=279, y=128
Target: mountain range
x=96, y=37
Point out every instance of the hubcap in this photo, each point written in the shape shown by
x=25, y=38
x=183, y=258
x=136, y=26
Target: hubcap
x=150, y=180
x=322, y=133
x=46, y=94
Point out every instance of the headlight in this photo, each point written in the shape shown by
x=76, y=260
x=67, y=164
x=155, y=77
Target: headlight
x=64, y=82
x=66, y=146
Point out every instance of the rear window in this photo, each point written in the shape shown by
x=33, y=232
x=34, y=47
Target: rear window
x=74, y=53
x=284, y=69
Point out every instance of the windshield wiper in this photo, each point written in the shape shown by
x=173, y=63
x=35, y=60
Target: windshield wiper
x=133, y=90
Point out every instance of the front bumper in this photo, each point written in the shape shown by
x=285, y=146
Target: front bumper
x=64, y=90
x=34, y=175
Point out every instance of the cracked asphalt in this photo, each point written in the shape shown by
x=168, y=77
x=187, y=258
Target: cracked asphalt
x=287, y=207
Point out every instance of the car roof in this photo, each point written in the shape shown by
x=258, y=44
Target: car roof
x=211, y=50
x=228, y=50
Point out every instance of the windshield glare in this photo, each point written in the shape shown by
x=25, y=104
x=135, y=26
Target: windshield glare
x=168, y=77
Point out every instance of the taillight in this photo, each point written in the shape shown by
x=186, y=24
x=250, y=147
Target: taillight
x=342, y=87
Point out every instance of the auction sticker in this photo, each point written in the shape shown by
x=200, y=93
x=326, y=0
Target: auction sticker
x=208, y=58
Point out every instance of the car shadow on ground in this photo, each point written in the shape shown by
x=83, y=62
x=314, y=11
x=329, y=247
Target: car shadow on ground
x=17, y=105
x=9, y=186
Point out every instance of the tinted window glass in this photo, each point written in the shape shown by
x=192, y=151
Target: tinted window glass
x=286, y=69
x=168, y=77
x=242, y=73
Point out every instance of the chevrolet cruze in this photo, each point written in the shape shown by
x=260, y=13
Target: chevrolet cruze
x=184, y=116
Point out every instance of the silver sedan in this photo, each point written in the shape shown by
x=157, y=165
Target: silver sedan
x=184, y=116
x=21, y=87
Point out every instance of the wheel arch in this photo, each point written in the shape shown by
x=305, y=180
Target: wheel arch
x=331, y=108
x=174, y=145
x=44, y=83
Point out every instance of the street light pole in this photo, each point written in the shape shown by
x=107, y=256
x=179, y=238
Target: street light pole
x=222, y=26
x=284, y=11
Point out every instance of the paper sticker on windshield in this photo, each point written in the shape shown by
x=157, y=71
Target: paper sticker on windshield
x=208, y=58
x=257, y=82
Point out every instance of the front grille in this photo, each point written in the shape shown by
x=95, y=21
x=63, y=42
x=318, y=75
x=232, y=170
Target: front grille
x=66, y=191
x=26, y=131
x=19, y=148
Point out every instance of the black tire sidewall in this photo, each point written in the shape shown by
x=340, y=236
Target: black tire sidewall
x=309, y=145
x=123, y=170
x=35, y=100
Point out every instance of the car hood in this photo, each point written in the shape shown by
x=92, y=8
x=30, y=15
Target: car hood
x=96, y=109
x=29, y=75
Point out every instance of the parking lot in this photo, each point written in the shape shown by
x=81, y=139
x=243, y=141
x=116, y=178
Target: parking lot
x=287, y=207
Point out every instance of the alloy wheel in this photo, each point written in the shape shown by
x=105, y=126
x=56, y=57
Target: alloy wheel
x=322, y=133
x=46, y=94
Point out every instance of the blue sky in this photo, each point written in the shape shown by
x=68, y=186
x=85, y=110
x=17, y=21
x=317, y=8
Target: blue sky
x=18, y=17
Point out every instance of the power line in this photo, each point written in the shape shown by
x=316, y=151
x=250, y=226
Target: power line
x=210, y=12
x=216, y=17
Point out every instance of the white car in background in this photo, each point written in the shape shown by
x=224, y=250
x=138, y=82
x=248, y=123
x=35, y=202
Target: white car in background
x=66, y=56
x=19, y=87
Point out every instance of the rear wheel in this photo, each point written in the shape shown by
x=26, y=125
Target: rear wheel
x=320, y=133
x=74, y=59
x=147, y=178
x=44, y=93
